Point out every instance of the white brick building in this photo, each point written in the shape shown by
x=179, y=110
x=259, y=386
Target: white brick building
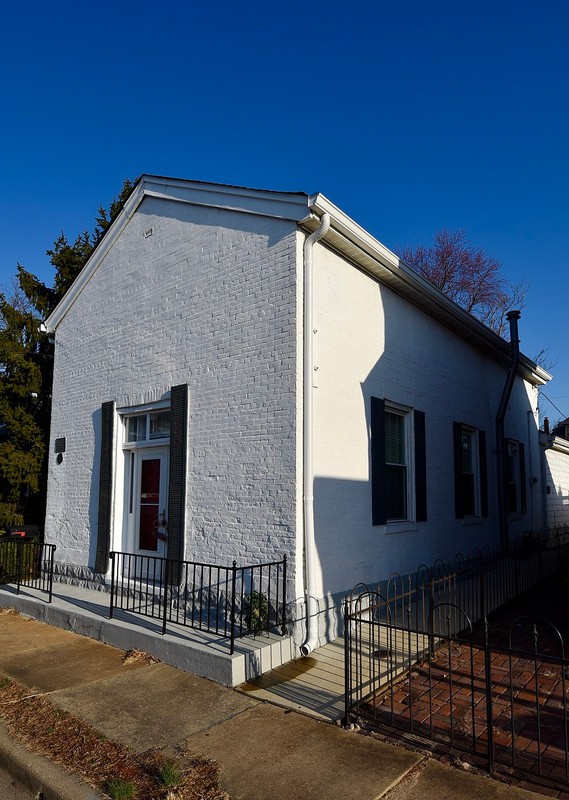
x=555, y=449
x=324, y=401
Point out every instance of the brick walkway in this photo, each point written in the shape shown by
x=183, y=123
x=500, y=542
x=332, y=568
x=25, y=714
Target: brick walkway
x=445, y=702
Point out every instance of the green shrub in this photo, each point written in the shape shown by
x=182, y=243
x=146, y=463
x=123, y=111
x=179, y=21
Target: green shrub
x=256, y=612
x=169, y=775
x=119, y=789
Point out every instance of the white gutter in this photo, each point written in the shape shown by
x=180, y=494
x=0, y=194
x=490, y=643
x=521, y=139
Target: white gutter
x=308, y=475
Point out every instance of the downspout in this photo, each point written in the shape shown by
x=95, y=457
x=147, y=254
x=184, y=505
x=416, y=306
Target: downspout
x=512, y=317
x=532, y=479
x=308, y=467
x=543, y=476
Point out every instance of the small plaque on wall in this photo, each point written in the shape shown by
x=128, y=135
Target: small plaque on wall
x=60, y=445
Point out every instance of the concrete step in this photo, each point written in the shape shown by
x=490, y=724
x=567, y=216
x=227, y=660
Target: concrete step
x=86, y=612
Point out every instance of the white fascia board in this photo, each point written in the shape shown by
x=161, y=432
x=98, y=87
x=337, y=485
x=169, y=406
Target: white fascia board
x=533, y=372
x=261, y=202
x=98, y=256
x=556, y=443
x=359, y=246
x=280, y=205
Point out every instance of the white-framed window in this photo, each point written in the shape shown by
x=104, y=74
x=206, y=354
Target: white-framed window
x=148, y=428
x=470, y=473
x=515, y=483
x=470, y=478
x=398, y=464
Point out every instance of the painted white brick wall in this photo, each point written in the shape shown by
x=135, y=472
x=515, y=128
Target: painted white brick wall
x=210, y=300
x=557, y=481
x=371, y=342
x=214, y=299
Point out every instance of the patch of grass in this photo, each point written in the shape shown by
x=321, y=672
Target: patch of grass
x=119, y=789
x=169, y=775
x=106, y=765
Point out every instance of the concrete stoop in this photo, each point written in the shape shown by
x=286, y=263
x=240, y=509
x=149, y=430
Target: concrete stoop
x=86, y=612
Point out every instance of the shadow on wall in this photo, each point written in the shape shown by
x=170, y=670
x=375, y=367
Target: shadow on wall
x=419, y=367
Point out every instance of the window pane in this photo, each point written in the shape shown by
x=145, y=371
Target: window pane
x=469, y=497
x=149, y=503
x=160, y=425
x=467, y=459
x=394, y=438
x=512, y=498
x=136, y=429
x=396, y=492
x=512, y=489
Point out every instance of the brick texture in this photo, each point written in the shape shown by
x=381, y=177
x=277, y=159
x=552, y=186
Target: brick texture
x=209, y=300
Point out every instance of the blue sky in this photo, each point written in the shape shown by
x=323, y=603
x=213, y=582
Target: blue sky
x=409, y=116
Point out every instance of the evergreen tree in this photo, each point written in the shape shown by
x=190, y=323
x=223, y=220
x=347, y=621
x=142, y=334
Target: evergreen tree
x=26, y=371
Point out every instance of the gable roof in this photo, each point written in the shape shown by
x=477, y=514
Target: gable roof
x=344, y=235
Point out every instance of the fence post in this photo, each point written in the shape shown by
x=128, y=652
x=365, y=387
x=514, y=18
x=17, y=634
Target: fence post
x=347, y=661
x=165, y=611
x=516, y=555
x=50, y=578
x=431, y=612
x=233, y=607
x=19, y=546
x=284, y=597
x=482, y=590
x=113, y=586
x=488, y=684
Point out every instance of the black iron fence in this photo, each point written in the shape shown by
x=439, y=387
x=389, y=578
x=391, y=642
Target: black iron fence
x=27, y=563
x=478, y=584
x=228, y=601
x=421, y=657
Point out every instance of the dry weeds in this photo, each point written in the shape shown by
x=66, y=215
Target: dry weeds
x=76, y=746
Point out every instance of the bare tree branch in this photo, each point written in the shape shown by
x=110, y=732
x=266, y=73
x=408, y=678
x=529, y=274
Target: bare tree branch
x=469, y=276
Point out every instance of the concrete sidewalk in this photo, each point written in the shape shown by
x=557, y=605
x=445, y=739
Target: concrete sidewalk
x=264, y=752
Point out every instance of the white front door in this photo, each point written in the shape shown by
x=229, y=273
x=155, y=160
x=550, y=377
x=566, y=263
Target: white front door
x=147, y=520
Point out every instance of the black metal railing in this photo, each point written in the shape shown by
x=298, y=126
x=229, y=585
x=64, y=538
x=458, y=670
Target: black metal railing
x=497, y=693
x=27, y=563
x=420, y=656
x=478, y=584
x=228, y=601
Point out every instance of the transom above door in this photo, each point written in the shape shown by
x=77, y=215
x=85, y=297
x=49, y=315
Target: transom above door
x=146, y=454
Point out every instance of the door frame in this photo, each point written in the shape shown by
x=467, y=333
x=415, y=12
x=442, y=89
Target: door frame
x=133, y=500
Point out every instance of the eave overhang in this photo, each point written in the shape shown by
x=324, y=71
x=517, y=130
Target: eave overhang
x=345, y=236
x=554, y=443
x=357, y=245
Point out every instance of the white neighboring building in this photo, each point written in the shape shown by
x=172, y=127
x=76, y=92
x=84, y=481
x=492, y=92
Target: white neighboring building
x=283, y=393
x=555, y=447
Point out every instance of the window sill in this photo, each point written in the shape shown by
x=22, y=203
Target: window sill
x=401, y=527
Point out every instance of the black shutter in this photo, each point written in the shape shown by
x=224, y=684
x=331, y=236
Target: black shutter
x=378, y=471
x=177, y=482
x=105, y=488
x=523, y=492
x=483, y=473
x=420, y=467
x=458, y=474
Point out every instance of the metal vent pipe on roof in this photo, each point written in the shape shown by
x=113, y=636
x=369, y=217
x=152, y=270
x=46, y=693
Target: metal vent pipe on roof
x=512, y=317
